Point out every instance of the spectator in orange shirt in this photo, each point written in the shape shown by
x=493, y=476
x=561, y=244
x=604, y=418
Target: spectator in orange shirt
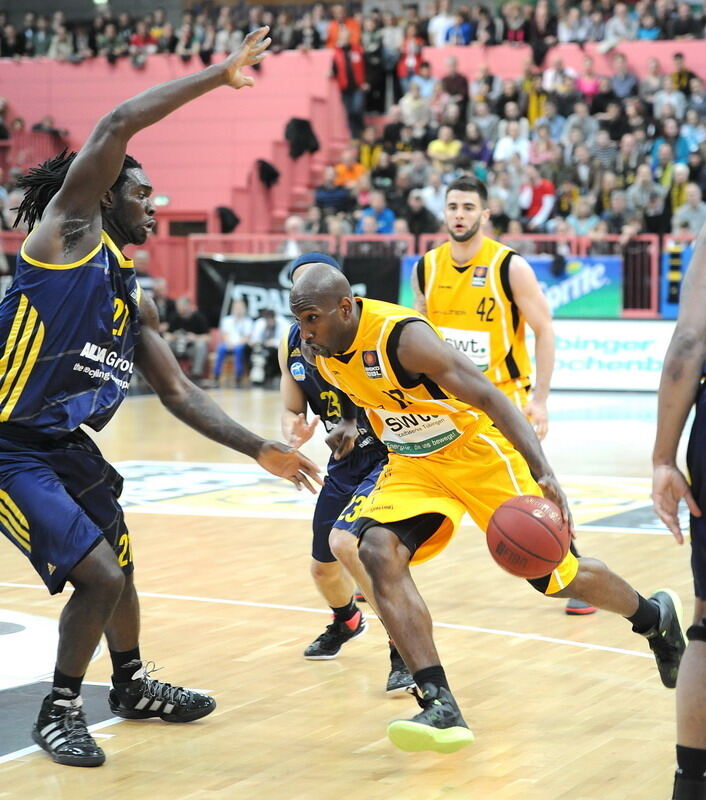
x=339, y=21
x=349, y=170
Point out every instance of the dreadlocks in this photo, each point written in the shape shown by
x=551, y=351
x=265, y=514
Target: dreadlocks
x=41, y=183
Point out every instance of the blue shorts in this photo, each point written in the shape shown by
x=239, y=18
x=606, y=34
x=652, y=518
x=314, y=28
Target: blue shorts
x=58, y=498
x=696, y=461
x=341, y=497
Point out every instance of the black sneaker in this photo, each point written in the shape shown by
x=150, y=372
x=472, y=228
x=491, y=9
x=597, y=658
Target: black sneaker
x=359, y=597
x=61, y=730
x=666, y=640
x=439, y=727
x=400, y=677
x=144, y=697
x=335, y=636
x=688, y=788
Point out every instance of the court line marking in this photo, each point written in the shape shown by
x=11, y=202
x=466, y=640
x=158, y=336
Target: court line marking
x=106, y=723
x=35, y=748
x=448, y=625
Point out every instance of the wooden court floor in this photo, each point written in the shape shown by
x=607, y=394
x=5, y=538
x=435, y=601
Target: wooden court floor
x=561, y=707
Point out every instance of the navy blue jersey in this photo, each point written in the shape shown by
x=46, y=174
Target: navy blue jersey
x=68, y=334
x=323, y=398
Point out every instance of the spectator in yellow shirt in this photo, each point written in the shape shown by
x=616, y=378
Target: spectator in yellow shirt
x=444, y=150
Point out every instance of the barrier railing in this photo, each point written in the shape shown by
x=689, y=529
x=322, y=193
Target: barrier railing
x=527, y=244
x=263, y=244
x=174, y=257
x=640, y=256
x=376, y=244
x=11, y=241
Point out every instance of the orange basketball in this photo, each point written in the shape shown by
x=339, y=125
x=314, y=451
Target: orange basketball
x=527, y=536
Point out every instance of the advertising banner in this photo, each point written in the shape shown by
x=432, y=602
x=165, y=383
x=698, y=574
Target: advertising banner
x=619, y=355
x=675, y=262
x=587, y=287
x=261, y=281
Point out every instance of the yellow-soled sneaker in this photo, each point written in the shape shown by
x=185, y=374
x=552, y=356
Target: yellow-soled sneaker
x=438, y=727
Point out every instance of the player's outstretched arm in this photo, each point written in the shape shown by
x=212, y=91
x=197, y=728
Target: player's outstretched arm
x=535, y=309
x=97, y=165
x=422, y=352
x=191, y=405
x=295, y=428
x=682, y=371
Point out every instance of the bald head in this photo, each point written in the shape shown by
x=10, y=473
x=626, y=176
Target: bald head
x=321, y=285
x=322, y=301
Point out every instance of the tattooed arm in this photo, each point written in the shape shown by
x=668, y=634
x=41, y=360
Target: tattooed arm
x=193, y=406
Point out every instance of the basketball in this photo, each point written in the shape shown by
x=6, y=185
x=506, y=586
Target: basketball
x=527, y=536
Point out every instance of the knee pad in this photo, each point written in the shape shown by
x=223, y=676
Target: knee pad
x=697, y=633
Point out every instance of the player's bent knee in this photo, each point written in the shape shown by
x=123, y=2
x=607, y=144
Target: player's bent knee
x=343, y=544
x=380, y=550
x=324, y=570
x=697, y=633
x=99, y=572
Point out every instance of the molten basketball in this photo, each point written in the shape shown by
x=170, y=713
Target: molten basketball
x=527, y=536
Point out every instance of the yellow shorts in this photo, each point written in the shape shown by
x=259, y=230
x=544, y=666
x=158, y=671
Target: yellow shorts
x=517, y=395
x=474, y=475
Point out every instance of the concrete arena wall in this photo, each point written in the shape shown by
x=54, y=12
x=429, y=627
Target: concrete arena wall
x=508, y=61
x=201, y=151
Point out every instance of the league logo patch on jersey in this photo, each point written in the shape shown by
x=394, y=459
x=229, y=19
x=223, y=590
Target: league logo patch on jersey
x=298, y=371
x=480, y=275
x=371, y=363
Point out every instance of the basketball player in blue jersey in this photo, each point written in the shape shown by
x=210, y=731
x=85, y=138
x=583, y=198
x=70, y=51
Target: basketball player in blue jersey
x=683, y=385
x=73, y=326
x=349, y=480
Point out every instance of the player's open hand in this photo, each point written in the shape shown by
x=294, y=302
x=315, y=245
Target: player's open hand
x=553, y=491
x=669, y=486
x=536, y=413
x=342, y=438
x=250, y=52
x=302, y=430
x=287, y=463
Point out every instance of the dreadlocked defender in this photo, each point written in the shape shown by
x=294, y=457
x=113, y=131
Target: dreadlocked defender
x=73, y=325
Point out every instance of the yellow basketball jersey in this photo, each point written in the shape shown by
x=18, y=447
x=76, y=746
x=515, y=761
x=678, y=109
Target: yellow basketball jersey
x=410, y=418
x=473, y=307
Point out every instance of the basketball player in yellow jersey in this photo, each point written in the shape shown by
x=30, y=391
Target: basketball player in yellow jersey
x=456, y=444
x=480, y=294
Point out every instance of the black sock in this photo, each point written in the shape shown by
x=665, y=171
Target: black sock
x=646, y=616
x=64, y=687
x=124, y=666
x=344, y=613
x=394, y=652
x=435, y=675
x=691, y=763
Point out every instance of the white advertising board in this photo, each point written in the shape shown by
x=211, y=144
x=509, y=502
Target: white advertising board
x=622, y=355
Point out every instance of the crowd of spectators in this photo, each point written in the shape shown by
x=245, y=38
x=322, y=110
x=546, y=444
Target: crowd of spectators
x=563, y=151
x=252, y=344
x=389, y=42
x=579, y=154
